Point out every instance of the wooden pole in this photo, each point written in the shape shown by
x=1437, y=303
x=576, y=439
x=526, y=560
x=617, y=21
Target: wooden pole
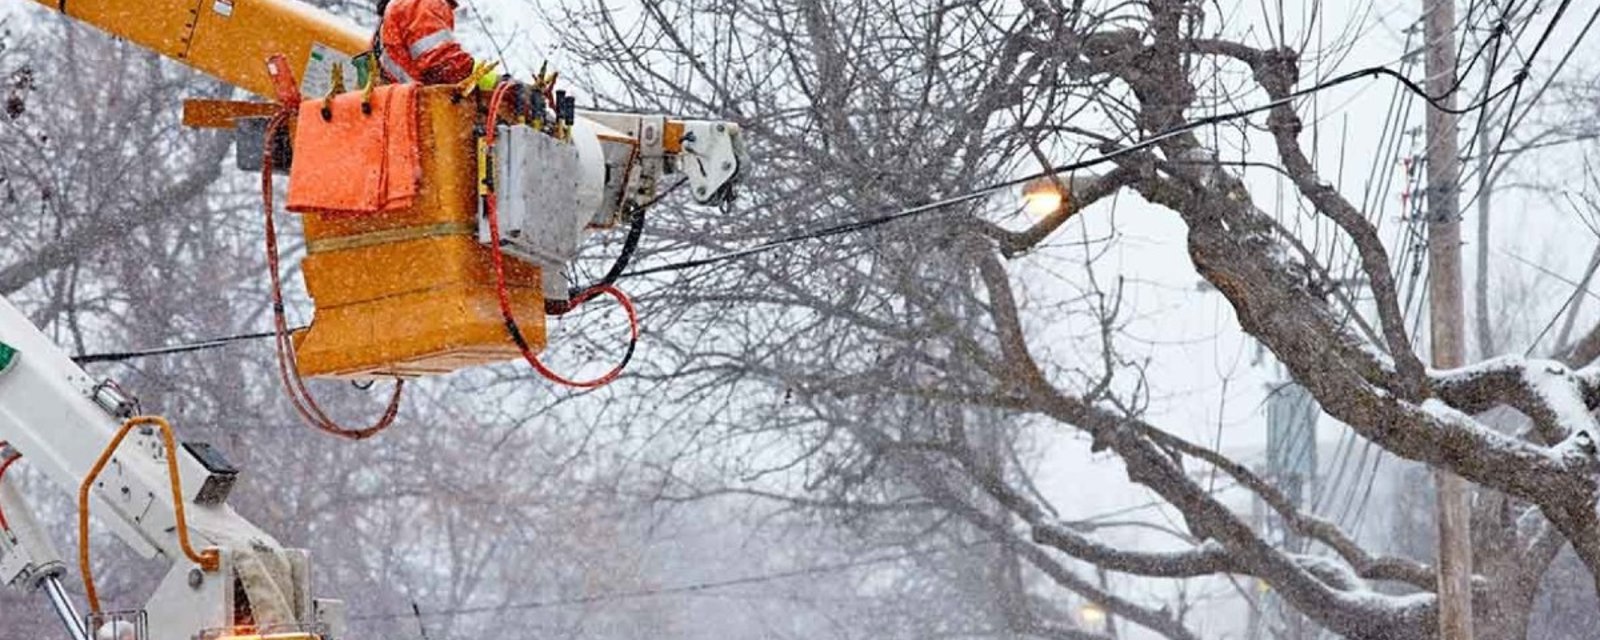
x=1447, y=327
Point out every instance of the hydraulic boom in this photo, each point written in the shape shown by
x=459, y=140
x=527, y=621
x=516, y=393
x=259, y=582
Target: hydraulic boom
x=61, y=420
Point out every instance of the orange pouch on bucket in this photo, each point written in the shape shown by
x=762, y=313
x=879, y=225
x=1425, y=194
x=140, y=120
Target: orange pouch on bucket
x=356, y=163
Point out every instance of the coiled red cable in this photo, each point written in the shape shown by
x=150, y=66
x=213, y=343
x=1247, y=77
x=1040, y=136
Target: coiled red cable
x=504, y=294
x=288, y=371
x=10, y=460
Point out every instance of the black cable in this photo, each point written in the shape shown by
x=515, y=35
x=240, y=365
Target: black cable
x=203, y=345
x=982, y=192
x=818, y=234
x=1548, y=30
x=422, y=627
x=931, y=207
x=1512, y=119
x=630, y=246
x=1561, y=142
x=1500, y=30
x=1465, y=24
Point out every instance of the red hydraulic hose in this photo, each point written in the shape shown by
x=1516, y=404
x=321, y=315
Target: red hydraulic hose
x=288, y=371
x=4, y=525
x=504, y=294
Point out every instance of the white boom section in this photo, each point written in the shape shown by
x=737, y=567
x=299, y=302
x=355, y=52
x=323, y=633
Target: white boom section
x=48, y=412
x=60, y=419
x=551, y=195
x=712, y=159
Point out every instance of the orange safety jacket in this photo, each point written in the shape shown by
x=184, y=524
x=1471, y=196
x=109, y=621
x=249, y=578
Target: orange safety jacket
x=417, y=43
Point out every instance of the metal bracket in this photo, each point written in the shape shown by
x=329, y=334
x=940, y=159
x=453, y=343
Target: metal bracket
x=713, y=159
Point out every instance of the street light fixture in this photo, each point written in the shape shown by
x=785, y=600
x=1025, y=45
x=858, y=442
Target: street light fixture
x=1043, y=196
x=1092, y=616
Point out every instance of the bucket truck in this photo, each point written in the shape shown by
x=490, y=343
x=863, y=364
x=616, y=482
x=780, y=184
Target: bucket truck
x=83, y=435
x=404, y=294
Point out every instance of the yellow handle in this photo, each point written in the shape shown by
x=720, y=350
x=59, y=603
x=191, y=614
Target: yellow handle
x=209, y=560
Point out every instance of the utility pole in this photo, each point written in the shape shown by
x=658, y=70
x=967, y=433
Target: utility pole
x=1291, y=451
x=1446, y=323
x=1291, y=467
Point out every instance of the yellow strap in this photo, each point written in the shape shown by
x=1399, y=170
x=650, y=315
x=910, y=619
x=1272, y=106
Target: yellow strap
x=388, y=236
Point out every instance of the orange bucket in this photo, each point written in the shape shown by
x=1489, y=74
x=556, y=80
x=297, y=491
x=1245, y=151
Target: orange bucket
x=412, y=293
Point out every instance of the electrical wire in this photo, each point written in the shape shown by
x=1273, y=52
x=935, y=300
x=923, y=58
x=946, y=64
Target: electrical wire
x=1560, y=142
x=1412, y=218
x=618, y=268
x=940, y=205
x=1512, y=123
x=1500, y=54
x=190, y=347
x=1498, y=31
x=665, y=591
x=630, y=246
x=1549, y=29
x=985, y=191
x=747, y=580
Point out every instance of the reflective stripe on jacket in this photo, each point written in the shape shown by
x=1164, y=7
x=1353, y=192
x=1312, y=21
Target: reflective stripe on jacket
x=419, y=43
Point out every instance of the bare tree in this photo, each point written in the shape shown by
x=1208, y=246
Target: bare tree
x=899, y=369
x=904, y=380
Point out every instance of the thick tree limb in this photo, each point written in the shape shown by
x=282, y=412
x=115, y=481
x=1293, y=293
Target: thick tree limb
x=1296, y=325
x=1365, y=564
x=1277, y=77
x=1555, y=397
x=1365, y=616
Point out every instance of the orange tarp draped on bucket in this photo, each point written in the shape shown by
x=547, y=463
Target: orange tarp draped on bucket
x=357, y=163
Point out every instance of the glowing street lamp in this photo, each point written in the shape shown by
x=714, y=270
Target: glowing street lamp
x=1043, y=196
x=1092, y=616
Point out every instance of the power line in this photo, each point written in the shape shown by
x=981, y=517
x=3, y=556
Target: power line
x=1511, y=123
x=1408, y=237
x=985, y=191
x=638, y=594
x=1498, y=31
x=1502, y=27
x=931, y=207
x=1550, y=29
x=1576, y=138
x=190, y=347
x=218, y=343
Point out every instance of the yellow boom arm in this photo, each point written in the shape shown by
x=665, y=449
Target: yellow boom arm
x=426, y=264
x=232, y=39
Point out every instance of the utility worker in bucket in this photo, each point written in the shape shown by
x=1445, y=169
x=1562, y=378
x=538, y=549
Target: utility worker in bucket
x=416, y=42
